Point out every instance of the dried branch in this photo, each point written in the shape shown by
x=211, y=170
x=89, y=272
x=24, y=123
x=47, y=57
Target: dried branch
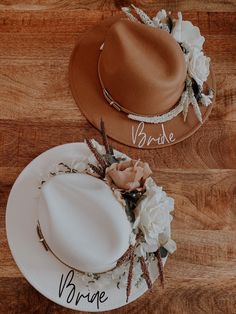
x=99, y=171
x=160, y=267
x=96, y=154
x=130, y=274
x=145, y=272
x=69, y=169
x=104, y=138
x=125, y=256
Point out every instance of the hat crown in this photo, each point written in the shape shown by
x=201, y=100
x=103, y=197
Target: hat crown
x=83, y=223
x=142, y=68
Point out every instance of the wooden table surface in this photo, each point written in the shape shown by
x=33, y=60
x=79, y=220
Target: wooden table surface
x=37, y=112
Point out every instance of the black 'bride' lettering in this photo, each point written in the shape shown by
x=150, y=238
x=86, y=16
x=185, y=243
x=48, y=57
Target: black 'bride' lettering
x=71, y=295
x=67, y=286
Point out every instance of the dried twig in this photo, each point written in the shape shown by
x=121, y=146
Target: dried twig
x=99, y=171
x=69, y=169
x=104, y=137
x=130, y=274
x=160, y=267
x=145, y=272
x=125, y=256
x=96, y=154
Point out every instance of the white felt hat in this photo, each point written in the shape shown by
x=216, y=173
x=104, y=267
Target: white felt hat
x=82, y=226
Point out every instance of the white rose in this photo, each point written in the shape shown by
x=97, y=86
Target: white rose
x=185, y=32
x=153, y=216
x=198, y=67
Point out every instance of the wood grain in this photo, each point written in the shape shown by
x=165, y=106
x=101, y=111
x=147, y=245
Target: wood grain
x=37, y=112
x=194, y=5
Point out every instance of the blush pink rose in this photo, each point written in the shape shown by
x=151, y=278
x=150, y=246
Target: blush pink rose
x=128, y=175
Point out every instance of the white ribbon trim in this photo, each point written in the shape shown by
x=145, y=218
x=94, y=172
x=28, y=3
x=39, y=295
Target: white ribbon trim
x=158, y=119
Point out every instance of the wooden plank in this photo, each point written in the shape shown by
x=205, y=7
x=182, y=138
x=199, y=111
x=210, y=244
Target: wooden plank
x=213, y=146
x=42, y=48
x=64, y=5
x=78, y=21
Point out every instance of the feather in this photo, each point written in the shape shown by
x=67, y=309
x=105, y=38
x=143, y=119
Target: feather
x=196, y=107
x=143, y=16
x=128, y=13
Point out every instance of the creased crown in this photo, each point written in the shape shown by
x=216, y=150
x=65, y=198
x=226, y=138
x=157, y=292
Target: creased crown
x=142, y=68
x=83, y=223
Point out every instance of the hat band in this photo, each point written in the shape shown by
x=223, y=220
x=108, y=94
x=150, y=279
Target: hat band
x=119, y=262
x=186, y=99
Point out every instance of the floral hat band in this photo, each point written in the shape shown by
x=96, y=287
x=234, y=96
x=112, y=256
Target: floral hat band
x=194, y=90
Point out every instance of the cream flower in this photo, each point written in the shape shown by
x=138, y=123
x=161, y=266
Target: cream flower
x=185, y=32
x=153, y=217
x=198, y=67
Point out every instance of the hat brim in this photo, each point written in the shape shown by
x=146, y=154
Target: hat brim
x=87, y=92
x=41, y=268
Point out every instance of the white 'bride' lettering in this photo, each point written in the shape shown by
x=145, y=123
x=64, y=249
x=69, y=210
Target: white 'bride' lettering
x=140, y=138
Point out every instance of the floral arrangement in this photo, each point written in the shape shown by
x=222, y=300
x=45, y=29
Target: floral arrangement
x=191, y=42
x=147, y=207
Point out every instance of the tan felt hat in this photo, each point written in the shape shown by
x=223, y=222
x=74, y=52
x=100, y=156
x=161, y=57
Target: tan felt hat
x=136, y=78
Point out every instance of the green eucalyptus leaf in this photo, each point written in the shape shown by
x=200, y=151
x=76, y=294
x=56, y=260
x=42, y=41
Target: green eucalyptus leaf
x=163, y=252
x=196, y=89
x=110, y=159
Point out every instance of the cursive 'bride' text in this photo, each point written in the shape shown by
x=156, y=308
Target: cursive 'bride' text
x=140, y=137
x=68, y=288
